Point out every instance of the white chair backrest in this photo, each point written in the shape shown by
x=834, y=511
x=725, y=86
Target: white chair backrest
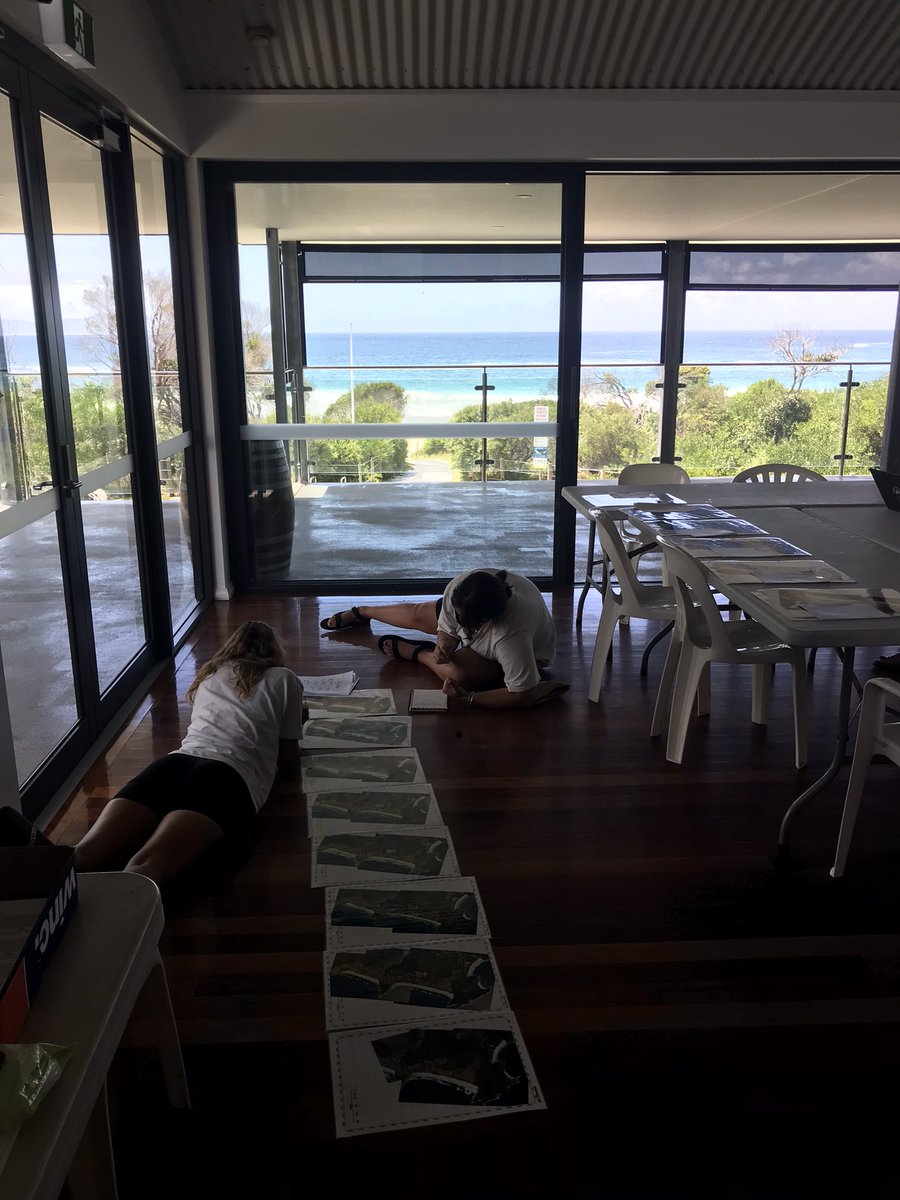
x=699, y=619
x=617, y=554
x=650, y=473
x=778, y=473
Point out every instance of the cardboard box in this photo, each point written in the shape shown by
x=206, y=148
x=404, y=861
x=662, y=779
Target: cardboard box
x=38, y=895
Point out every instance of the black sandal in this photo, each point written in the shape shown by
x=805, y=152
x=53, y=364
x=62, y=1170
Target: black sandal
x=395, y=639
x=358, y=619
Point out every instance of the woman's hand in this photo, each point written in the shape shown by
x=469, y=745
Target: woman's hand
x=455, y=692
x=447, y=646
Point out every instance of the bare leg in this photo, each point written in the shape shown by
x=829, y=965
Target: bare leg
x=179, y=840
x=421, y=616
x=118, y=831
x=466, y=668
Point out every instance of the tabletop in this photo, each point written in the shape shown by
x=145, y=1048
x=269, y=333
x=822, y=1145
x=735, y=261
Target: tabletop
x=87, y=995
x=728, y=495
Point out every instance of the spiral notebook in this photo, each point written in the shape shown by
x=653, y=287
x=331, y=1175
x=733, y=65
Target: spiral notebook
x=425, y=700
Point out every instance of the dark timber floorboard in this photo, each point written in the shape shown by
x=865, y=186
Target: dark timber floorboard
x=700, y=1024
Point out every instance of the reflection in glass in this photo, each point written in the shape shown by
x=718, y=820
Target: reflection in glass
x=159, y=299
x=24, y=456
x=115, y=583
x=34, y=633
x=87, y=297
x=176, y=526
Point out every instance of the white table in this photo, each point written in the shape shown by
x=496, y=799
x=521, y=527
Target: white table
x=108, y=959
x=724, y=494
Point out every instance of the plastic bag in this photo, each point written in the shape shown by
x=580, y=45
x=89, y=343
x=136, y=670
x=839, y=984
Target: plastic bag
x=27, y=1073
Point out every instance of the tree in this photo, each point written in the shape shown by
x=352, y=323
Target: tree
x=513, y=456
x=391, y=396
x=797, y=347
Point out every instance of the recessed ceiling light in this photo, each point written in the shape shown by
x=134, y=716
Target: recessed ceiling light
x=523, y=196
x=498, y=227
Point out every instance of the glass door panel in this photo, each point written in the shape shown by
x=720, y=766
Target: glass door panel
x=34, y=624
x=429, y=311
x=174, y=445
x=88, y=303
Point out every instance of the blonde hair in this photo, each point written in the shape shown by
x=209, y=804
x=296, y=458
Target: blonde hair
x=251, y=650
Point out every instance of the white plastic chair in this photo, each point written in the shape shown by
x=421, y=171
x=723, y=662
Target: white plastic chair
x=778, y=473
x=873, y=737
x=702, y=637
x=649, y=601
x=635, y=474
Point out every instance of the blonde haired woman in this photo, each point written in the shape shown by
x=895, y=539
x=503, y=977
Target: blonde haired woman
x=245, y=724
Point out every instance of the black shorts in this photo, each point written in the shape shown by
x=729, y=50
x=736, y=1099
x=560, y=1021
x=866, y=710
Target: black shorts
x=186, y=782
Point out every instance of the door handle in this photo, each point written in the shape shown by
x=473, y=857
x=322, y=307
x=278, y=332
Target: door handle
x=70, y=485
x=39, y=487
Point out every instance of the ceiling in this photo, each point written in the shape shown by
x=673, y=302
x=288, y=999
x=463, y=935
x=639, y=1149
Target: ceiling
x=623, y=207
x=808, y=45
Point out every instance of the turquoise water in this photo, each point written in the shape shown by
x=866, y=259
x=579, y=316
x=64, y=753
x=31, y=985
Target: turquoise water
x=436, y=353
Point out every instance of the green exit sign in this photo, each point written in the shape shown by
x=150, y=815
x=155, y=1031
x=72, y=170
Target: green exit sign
x=68, y=31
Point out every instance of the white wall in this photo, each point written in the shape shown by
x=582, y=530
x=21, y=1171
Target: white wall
x=133, y=65
x=530, y=125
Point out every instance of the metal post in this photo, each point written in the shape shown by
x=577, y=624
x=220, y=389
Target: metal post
x=484, y=387
x=672, y=345
x=293, y=327
x=890, y=452
x=276, y=321
x=848, y=385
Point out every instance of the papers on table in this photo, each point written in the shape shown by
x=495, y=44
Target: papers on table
x=340, y=732
x=365, y=702
x=372, y=914
x=622, y=498
x=832, y=604
x=329, y=685
x=692, y=525
x=400, y=985
x=369, y=766
x=342, y=808
x=456, y=1069
x=777, y=570
x=372, y=854
x=738, y=547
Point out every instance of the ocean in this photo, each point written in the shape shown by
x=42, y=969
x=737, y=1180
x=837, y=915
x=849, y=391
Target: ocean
x=442, y=371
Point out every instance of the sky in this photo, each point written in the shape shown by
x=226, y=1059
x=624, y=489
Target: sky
x=534, y=307
x=448, y=308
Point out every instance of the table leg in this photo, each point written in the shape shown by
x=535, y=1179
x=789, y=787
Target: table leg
x=92, y=1175
x=588, y=572
x=848, y=678
x=158, y=1007
x=654, y=641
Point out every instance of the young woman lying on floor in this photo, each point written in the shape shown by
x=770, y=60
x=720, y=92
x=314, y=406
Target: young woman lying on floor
x=494, y=634
x=245, y=725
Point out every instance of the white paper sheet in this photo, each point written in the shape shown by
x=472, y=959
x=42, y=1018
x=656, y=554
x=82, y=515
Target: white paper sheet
x=778, y=570
x=373, y=914
x=622, y=498
x=373, y=853
x=323, y=733
x=431, y=1073
x=329, y=685
x=699, y=526
x=832, y=604
x=321, y=770
x=365, y=702
x=736, y=547
x=337, y=810
x=400, y=985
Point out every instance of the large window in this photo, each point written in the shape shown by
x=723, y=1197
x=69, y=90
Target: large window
x=441, y=347
x=786, y=358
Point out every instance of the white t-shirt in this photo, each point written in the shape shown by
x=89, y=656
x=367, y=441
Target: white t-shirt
x=244, y=733
x=522, y=639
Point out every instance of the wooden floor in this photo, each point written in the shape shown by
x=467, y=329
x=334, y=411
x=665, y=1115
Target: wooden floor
x=700, y=1024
